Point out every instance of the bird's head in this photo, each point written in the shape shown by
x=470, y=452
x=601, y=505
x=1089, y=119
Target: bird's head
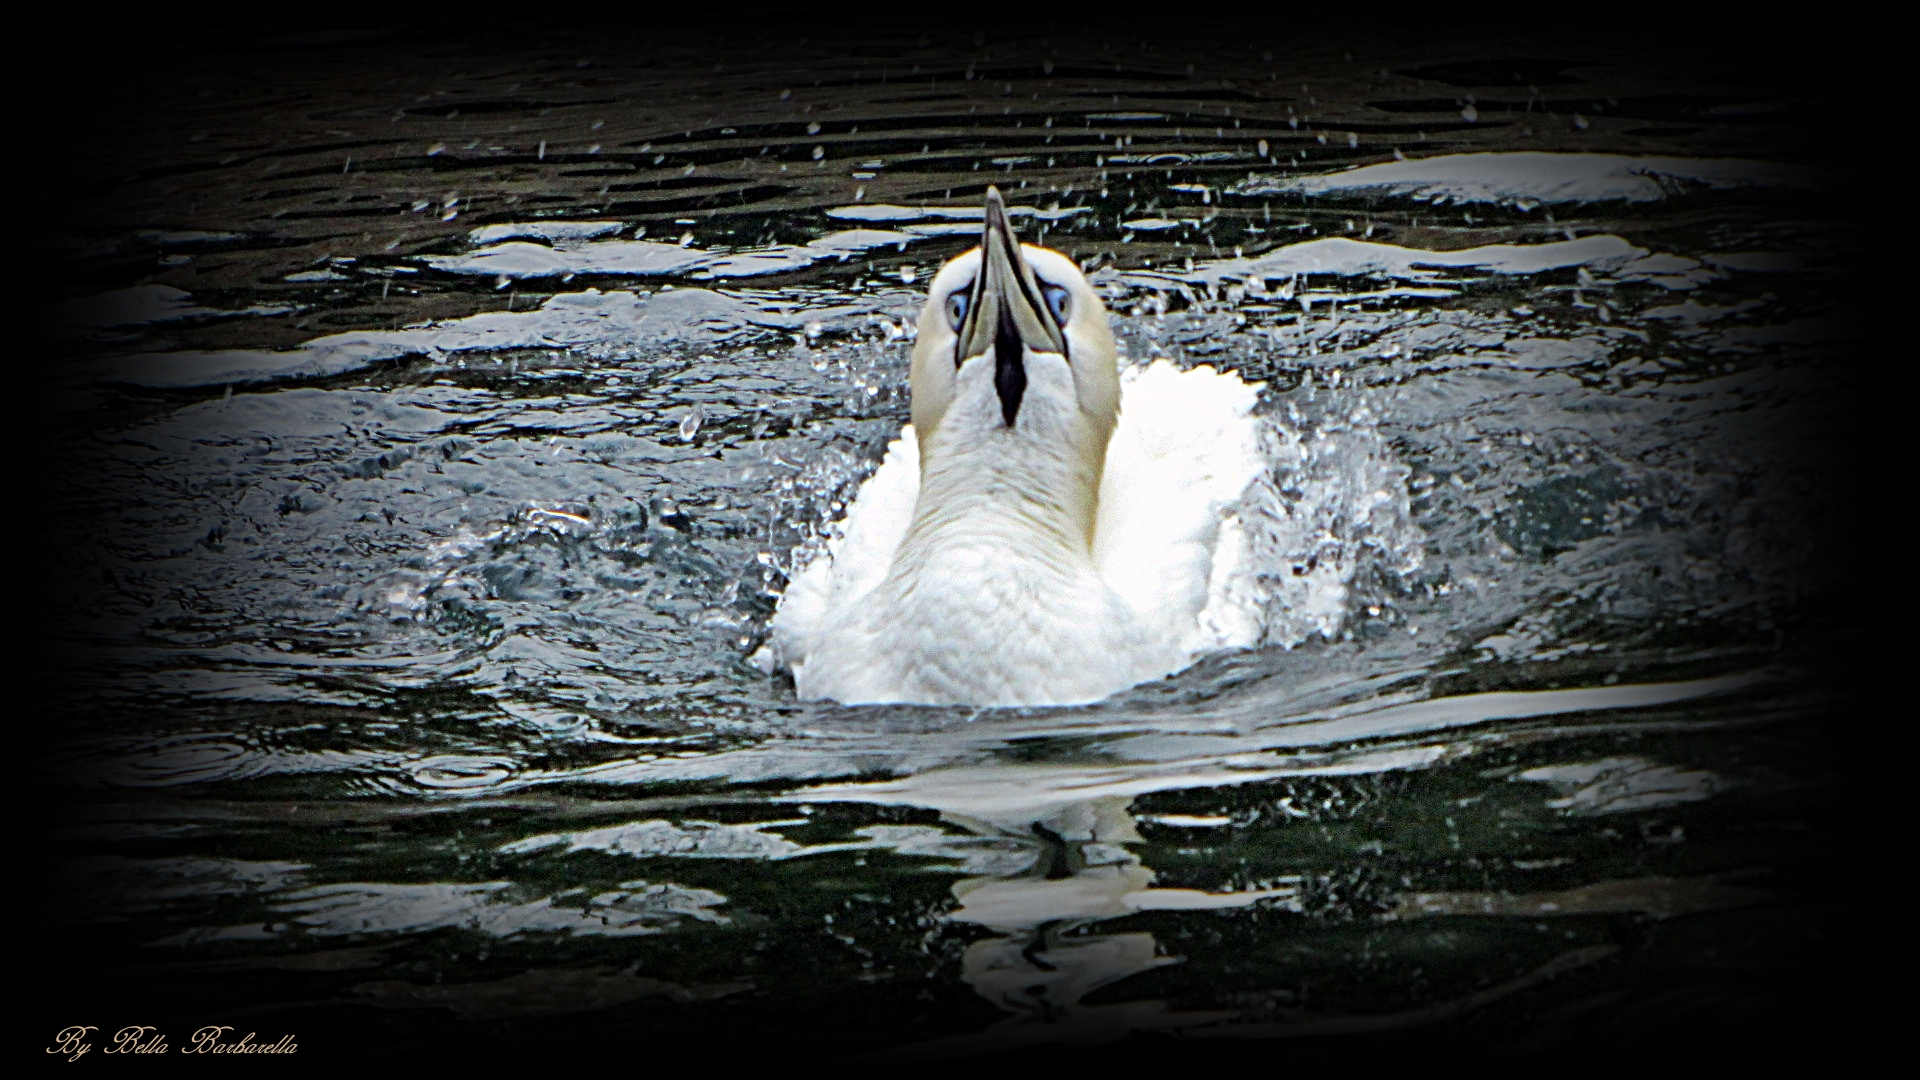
x=1014, y=340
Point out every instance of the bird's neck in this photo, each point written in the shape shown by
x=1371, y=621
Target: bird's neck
x=1029, y=489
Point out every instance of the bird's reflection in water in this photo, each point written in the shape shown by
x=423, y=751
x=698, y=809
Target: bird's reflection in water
x=1041, y=967
x=1043, y=964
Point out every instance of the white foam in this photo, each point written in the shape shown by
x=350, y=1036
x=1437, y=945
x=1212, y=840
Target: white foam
x=521, y=259
x=544, y=230
x=648, y=258
x=1623, y=784
x=839, y=246
x=665, y=839
x=1344, y=257
x=1175, y=157
x=1530, y=178
x=581, y=320
x=889, y=212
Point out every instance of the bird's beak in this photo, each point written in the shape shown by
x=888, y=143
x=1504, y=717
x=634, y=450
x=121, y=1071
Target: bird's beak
x=1006, y=311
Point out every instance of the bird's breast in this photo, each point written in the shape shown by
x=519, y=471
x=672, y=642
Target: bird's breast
x=970, y=621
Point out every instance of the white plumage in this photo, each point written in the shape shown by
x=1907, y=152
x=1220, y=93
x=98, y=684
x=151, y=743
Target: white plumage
x=1009, y=551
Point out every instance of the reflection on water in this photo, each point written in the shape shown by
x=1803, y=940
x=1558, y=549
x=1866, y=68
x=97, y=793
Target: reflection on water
x=428, y=479
x=1048, y=953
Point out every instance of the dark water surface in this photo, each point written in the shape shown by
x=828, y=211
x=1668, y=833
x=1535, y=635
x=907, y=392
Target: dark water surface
x=437, y=419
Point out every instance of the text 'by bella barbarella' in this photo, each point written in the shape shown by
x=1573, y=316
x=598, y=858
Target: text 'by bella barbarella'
x=77, y=1041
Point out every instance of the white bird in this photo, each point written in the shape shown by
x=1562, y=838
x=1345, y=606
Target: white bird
x=1045, y=532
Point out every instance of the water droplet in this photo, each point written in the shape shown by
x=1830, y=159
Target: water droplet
x=1579, y=121
x=690, y=424
x=1470, y=114
x=813, y=128
x=819, y=152
x=907, y=275
x=786, y=95
x=1263, y=148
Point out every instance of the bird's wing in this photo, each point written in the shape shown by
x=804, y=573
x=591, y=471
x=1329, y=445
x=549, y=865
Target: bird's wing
x=856, y=557
x=1167, y=538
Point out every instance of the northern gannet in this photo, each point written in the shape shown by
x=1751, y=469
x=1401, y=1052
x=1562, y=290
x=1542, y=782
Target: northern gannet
x=1031, y=538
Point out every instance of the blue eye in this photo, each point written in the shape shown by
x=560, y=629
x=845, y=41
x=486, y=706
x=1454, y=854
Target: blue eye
x=957, y=309
x=1057, y=302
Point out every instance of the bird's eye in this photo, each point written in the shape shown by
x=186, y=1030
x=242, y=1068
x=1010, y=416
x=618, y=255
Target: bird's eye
x=957, y=309
x=1058, y=302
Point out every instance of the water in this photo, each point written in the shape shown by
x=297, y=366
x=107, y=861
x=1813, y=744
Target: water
x=438, y=421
